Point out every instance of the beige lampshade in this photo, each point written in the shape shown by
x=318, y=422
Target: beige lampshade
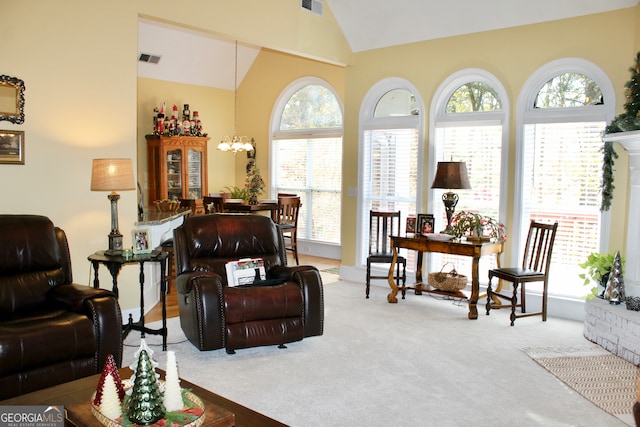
x=112, y=175
x=451, y=175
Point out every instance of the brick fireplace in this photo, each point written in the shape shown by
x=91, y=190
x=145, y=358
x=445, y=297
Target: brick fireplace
x=613, y=326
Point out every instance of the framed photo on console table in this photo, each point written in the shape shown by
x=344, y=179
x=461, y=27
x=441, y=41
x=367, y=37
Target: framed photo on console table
x=141, y=239
x=425, y=224
x=12, y=147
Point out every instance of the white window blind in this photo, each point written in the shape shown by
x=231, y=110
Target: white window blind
x=312, y=168
x=561, y=182
x=390, y=172
x=480, y=146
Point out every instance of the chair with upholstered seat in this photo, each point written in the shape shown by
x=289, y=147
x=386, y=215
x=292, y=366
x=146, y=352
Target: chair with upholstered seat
x=288, y=307
x=381, y=226
x=52, y=330
x=535, y=268
x=287, y=217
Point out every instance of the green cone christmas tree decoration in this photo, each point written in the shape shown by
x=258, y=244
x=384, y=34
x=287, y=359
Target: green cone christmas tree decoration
x=615, y=292
x=145, y=404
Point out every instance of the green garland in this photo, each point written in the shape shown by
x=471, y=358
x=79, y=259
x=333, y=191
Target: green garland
x=624, y=122
x=607, y=175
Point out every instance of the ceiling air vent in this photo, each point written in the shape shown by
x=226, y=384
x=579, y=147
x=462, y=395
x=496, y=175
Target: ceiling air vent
x=314, y=6
x=152, y=59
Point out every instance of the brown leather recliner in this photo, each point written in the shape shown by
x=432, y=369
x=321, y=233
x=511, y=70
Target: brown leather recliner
x=51, y=330
x=214, y=315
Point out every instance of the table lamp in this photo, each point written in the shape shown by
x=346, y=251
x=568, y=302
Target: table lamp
x=451, y=176
x=113, y=175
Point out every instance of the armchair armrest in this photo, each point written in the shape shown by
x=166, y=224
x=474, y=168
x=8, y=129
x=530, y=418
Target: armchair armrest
x=102, y=307
x=72, y=297
x=200, y=302
x=310, y=281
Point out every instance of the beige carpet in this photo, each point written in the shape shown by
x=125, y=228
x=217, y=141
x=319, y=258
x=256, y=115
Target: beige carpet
x=603, y=378
x=418, y=363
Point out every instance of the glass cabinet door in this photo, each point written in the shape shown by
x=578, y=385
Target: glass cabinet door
x=194, y=173
x=174, y=174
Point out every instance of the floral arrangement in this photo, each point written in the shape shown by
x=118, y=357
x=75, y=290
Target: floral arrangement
x=254, y=183
x=471, y=223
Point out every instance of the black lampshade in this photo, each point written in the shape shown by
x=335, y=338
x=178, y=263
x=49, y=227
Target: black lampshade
x=451, y=175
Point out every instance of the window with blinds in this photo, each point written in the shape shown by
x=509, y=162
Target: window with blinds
x=561, y=182
x=480, y=147
x=312, y=168
x=307, y=160
x=561, y=172
x=389, y=156
x=470, y=130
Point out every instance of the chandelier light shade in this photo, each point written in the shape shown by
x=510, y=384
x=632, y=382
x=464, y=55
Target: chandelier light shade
x=451, y=176
x=235, y=143
x=113, y=175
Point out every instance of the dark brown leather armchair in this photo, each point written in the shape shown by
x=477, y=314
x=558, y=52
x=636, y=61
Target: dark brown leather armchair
x=51, y=330
x=214, y=315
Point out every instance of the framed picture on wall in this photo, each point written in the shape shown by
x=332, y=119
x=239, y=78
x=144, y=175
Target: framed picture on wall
x=425, y=224
x=12, y=147
x=141, y=238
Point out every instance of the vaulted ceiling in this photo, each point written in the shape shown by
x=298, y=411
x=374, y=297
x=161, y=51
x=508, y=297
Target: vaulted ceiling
x=371, y=24
x=366, y=24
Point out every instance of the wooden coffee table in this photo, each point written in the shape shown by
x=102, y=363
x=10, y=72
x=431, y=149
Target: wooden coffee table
x=75, y=396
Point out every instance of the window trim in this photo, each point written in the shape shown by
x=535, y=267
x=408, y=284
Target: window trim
x=527, y=114
x=367, y=121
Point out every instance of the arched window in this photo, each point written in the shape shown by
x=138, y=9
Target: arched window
x=564, y=108
x=470, y=124
x=390, y=154
x=306, y=156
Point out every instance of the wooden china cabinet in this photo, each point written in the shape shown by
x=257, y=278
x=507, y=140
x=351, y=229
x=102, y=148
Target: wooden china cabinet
x=177, y=167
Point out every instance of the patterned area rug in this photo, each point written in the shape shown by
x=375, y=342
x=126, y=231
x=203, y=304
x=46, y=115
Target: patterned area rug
x=608, y=381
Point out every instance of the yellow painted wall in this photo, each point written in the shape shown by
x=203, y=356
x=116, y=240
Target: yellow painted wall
x=78, y=60
x=215, y=108
x=512, y=55
x=276, y=24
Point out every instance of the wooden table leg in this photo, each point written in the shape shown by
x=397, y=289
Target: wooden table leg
x=391, y=298
x=475, y=288
x=419, y=284
x=495, y=299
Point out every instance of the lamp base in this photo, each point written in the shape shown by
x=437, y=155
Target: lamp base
x=115, y=244
x=450, y=201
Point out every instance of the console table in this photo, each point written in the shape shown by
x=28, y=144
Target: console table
x=114, y=264
x=422, y=244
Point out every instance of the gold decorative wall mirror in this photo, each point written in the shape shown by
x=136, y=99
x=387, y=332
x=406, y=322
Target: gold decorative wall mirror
x=11, y=99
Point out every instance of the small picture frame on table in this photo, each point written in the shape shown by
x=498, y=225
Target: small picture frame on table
x=12, y=147
x=141, y=239
x=425, y=224
x=411, y=224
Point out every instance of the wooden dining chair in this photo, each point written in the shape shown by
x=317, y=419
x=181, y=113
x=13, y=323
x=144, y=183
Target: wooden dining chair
x=213, y=204
x=535, y=268
x=286, y=215
x=381, y=226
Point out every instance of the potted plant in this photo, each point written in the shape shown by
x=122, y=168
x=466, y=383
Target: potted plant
x=236, y=193
x=466, y=223
x=598, y=267
x=254, y=184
